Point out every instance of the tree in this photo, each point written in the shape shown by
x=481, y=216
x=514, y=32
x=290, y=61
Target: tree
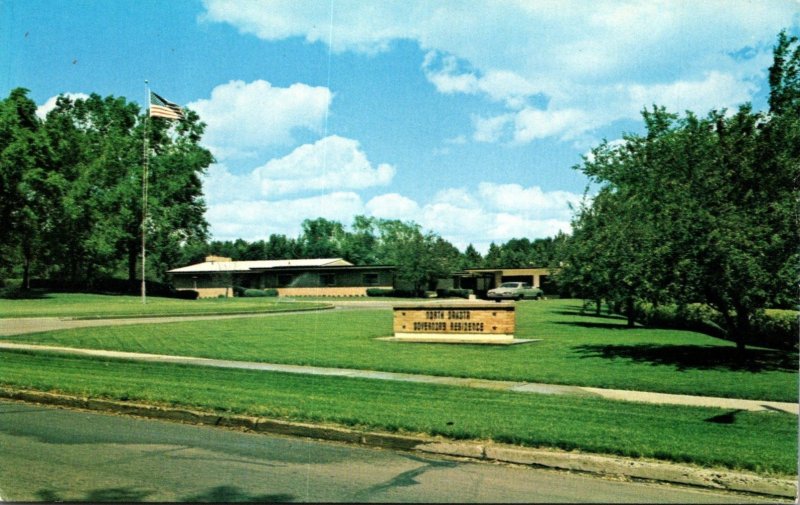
x=698, y=210
x=472, y=258
x=28, y=185
x=322, y=238
x=71, y=187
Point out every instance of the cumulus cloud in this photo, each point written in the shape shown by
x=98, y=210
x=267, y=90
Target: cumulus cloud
x=259, y=219
x=245, y=117
x=723, y=90
x=50, y=104
x=489, y=213
x=552, y=64
x=393, y=206
x=478, y=216
x=333, y=163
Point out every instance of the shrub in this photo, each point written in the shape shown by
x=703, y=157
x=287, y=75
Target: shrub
x=185, y=294
x=453, y=293
x=775, y=329
x=257, y=293
x=379, y=292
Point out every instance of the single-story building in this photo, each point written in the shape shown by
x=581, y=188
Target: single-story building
x=304, y=277
x=481, y=280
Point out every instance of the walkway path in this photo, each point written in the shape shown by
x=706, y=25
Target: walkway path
x=517, y=387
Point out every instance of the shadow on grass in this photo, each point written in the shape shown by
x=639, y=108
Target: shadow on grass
x=726, y=418
x=621, y=325
x=24, y=294
x=232, y=494
x=695, y=357
x=117, y=494
x=588, y=313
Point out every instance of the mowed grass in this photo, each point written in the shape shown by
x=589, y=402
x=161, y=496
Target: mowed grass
x=765, y=442
x=99, y=306
x=575, y=349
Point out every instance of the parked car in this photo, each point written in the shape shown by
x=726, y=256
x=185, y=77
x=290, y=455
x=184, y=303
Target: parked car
x=514, y=291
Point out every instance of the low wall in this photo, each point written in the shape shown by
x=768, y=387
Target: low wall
x=213, y=292
x=331, y=291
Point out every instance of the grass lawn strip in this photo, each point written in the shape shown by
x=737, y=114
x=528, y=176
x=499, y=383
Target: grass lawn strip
x=761, y=442
x=91, y=306
x=575, y=349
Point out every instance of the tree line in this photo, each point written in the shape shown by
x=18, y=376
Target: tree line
x=697, y=210
x=420, y=257
x=71, y=201
x=71, y=188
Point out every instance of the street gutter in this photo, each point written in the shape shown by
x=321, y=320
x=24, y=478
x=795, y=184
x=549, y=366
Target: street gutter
x=602, y=465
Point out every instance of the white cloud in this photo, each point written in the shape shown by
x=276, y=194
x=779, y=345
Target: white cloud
x=244, y=118
x=330, y=163
x=490, y=213
x=531, y=202
x=531, y=124
x=604, y=60
x=50, y=104
x=491, y=129
x=723, y=90
x=393, y=206
x=261, y=218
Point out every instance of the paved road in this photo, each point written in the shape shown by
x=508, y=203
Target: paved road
x=51, y=454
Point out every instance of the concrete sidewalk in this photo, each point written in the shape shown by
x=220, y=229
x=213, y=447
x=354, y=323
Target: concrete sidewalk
x=511, y=386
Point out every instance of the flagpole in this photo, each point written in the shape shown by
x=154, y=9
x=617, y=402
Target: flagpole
x=144, y=193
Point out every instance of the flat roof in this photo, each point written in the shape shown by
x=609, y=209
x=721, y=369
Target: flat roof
x=251, y=266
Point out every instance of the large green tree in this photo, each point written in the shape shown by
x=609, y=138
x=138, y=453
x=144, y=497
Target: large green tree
x=71, y=187
x=28, y=187
x=698, y=209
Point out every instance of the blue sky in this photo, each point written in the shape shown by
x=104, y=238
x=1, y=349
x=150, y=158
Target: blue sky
x=463, y=116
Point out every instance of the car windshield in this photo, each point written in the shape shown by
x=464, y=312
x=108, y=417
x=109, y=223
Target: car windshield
x=509, y=285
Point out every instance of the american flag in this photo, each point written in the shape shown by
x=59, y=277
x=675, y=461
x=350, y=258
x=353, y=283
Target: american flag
x=160, y=107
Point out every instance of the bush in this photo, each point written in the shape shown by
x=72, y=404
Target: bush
x=453, y=293
x=775, y=329
x=257, y=293
x=379, y=292
x=396, y=293
x=185, y=294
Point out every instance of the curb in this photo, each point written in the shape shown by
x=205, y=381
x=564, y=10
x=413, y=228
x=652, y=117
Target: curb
x=199, y=315
x=640, y=469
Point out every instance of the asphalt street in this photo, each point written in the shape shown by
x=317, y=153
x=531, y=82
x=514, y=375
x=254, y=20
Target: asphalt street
x=51, y=454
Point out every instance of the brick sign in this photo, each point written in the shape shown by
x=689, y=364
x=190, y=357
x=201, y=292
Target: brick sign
x=456, y=320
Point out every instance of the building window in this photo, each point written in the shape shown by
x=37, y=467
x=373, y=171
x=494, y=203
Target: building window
x=327, y=280
x=370, y=279
x=285, y=280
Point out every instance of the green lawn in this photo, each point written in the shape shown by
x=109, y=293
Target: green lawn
x=575, y=349
x=95, y=306
x=765, y=442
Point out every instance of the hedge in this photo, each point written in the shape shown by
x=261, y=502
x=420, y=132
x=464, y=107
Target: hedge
x=253, y=293
x=775, y=329
x=453, y=293
x=396, y=293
